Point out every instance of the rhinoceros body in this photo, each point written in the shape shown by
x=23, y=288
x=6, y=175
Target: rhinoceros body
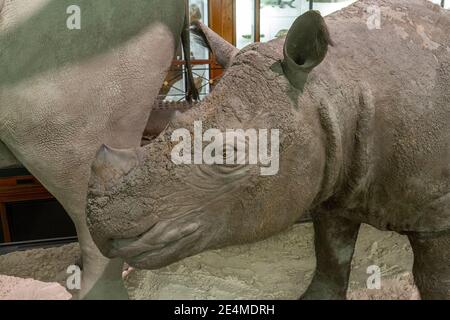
x=365, y=139
x=64, y=92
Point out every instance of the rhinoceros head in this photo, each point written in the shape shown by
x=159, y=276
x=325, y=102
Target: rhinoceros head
x=158, y=204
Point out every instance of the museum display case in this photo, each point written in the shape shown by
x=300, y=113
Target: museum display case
x=241, y=22
x=264, y=20
x=312, y=165
x=174, y=87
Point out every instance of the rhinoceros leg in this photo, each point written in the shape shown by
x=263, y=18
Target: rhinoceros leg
x=432, y=265
x=102, y=277
x=335, y=240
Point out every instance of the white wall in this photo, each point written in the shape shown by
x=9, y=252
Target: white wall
x=273, y=18
x=447, y=3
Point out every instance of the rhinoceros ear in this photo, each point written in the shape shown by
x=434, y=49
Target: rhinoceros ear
x=305, y=48
x=223, y=50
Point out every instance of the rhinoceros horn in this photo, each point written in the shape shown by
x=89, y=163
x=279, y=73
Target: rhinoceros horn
x=111, y=164
x=306, y=46
x=223, y=50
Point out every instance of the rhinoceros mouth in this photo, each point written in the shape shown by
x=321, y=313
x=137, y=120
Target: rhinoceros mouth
x=161, y=240
x=170, y=253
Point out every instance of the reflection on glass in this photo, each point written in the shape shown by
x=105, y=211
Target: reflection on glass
x=174, y=85
x=198, y=10
x=440, y=2
x=277, y=16
x=327, y=7
x=245, y=22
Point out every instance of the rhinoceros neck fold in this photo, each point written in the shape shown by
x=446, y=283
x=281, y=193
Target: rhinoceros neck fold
x=349, y=147
x=334, y=150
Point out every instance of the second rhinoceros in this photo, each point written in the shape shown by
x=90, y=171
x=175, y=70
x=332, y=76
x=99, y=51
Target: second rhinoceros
x=364, y=138
x=66, y=89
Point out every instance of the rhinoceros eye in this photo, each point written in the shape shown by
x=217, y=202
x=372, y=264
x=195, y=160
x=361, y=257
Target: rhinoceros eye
x=238, y=151
x=232, y=157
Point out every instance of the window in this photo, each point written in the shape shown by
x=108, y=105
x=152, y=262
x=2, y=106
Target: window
x=241, y=22
x=245, y=22
x=174, y=84
x=444, y=3
x=264, y=20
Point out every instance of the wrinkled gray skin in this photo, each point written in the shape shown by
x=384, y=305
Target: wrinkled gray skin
x=367, y=141
x=65, y=92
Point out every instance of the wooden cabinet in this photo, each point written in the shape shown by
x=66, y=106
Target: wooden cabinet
x=18, y=189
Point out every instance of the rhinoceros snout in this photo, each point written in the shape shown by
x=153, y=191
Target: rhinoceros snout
x=164, y=243
x=109, y=219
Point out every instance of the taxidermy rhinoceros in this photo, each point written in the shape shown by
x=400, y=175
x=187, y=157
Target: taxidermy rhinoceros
x=364, y=130
x=66, y=90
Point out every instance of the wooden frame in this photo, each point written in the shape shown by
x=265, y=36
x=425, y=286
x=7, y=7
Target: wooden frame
x=18, y=189
x=257, y=21
x=222, y=20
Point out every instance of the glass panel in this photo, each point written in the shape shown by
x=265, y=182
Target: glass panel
x=174, y=89
x=445, y=2
x=245, y=22
x=199, y=11
x=277, y=16
x=327, y=7
x=174, y=85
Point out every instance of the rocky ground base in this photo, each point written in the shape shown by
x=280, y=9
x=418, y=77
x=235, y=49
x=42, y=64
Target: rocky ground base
x=12, y=288
x=278, y=268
